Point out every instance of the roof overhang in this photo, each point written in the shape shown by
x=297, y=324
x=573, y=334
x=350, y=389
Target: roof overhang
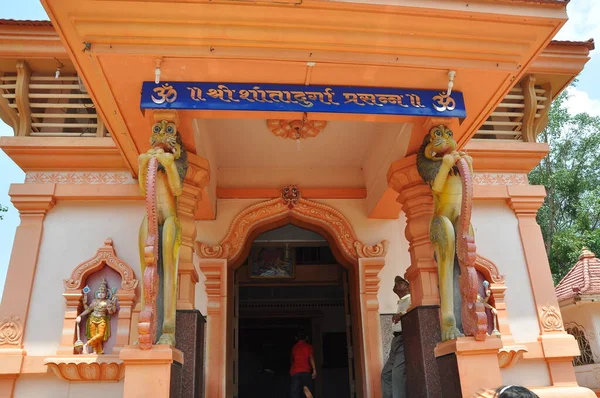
x=489, y=43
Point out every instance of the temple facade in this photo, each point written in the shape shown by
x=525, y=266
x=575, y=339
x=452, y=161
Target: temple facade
x=273, y=154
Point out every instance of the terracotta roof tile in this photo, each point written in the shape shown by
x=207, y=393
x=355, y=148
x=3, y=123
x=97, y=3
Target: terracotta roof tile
x=583, y=279
x=589, y=43
x=24, y=22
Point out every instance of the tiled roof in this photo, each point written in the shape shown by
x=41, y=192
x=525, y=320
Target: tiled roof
x=583, y=279
x=24, y=22
x=589, y=43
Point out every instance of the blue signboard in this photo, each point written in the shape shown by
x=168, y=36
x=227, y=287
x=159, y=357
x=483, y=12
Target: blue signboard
x=296, y=98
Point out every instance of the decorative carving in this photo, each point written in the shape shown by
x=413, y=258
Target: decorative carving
x=92, y=178
x=160, y=186
x=500, y=179
x=311, y=212
x=97, y=327
x=104, y=255
x=509, y=356
x=551, y=320
x=290, y=196
x=489, y=269
x=449, y=172
x=11, y=330
x=404, y=174
x=296, y=129
x=369, y=277
x=486, y=303
x=86, y=370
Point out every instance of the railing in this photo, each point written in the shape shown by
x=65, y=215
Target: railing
x=48, y=106
x=522, y=114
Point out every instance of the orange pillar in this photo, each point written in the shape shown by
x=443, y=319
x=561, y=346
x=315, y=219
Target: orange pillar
x=33, y=202
x=417, y=203
x=421, y=325
x=369, y=269
x=559, y=347
x=215, y=271
x=148, y=373
x=187, y=274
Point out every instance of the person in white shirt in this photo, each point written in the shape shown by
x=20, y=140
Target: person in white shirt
x=393, y=375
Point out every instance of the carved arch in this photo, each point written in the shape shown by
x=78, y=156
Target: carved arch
x=291, y=207
x=104, y=255
x=488, y=269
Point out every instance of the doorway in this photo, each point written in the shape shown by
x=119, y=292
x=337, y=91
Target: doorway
x=272, y=306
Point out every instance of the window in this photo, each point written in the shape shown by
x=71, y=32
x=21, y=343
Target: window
x=586, y=357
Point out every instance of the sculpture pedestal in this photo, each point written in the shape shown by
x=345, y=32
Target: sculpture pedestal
x=152, y=373
x=421, y=332
x=466, y=365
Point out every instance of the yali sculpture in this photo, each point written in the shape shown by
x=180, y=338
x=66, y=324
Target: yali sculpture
x=161, y=173
x=449, y=174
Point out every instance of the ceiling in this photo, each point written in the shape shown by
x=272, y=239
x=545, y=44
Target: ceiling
x=249, y=143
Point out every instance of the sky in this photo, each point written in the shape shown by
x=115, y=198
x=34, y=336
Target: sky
x=582, y=25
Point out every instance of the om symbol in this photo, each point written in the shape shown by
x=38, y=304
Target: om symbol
x=444, y=101
x=164, y=93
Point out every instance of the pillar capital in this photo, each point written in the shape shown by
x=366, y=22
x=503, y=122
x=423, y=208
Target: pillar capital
x=526, y=200
x=32, y=199
x=450, y=122
x=170, y=115
x=403, y=174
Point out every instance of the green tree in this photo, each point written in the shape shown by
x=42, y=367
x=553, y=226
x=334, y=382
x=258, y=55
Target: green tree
x=570, y=215
x=3, y=209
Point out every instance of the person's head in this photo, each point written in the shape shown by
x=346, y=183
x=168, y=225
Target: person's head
x=515, y=392
x=301, y=335
x=401, y=286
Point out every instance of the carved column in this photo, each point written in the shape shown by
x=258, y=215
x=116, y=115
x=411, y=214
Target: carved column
x=196, y=179
x=417, y=203
x=559, y=347
x=215, y=271
x=33, y=202
x=369, y=269
x=22, y=98
x=421, y=324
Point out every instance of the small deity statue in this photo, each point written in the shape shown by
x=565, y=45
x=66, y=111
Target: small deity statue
x=486, y=304
x=97, y=327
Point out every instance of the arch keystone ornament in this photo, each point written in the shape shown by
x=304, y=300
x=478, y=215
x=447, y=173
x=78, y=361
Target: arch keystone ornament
x=364, y=261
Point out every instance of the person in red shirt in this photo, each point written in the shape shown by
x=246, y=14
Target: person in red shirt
x=303, y=369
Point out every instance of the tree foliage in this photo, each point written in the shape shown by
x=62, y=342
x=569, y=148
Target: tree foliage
x=3, y=209
x=570, y=215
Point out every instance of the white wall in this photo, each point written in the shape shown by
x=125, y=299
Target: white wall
x=497, y=238
x=584, y=315
x=367, y=230
x=527, y=373
x=73, y=231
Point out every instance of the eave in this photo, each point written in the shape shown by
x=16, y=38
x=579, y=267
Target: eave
x=214, y=39
x=560, y=63
x=30, y=41
x=60, y=153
